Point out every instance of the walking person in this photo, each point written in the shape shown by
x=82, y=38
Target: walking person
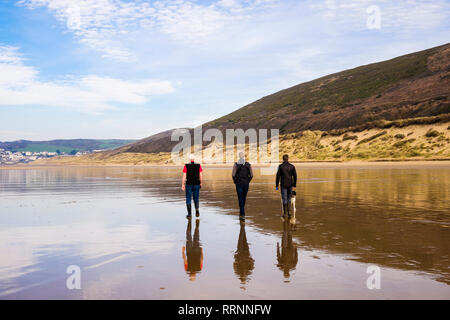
x=242, y=175
x=192, y=183
x=287, y=175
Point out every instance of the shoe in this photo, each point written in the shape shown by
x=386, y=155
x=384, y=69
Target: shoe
x=189, y=210
x=241, y=217
x=197, y=211
x=284, y=210
x=288, y=206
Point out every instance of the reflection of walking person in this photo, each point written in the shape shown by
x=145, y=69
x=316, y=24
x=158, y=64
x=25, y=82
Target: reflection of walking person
x=288, y=176
x=287, y=255
x=243, y=261
x=193, y=252
x=192, y=183
x=242, y=175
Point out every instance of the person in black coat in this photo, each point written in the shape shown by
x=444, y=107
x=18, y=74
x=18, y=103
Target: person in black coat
x=242, y=175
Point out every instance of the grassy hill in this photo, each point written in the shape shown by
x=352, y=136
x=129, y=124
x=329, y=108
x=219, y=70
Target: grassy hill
x=63, y=145
x=409, y=142
x=414, y=85
x=378, y=111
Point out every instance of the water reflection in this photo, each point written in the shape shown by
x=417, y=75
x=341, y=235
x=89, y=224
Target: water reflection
x=243, y=262
x=127, y=221
x=287, y=255
x=193, y=252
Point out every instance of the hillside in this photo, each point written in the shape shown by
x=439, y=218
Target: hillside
x=410, y=142
x=385, y=98
x=63, y=145
x=414, y=85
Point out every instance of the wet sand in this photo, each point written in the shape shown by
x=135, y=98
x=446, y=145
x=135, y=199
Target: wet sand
x=125, y=228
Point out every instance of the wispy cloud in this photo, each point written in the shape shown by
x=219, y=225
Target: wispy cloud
x=104, y=25
x=192, y=22
x=20, y=85
x=101, y=24
x=96, y=23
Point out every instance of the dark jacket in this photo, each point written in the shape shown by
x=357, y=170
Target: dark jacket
x=242, y=173
x=193, y=174
x=287, y=174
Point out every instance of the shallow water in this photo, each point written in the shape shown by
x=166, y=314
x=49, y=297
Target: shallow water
x=126, y=229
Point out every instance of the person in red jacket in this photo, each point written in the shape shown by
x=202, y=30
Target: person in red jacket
x=191, y=183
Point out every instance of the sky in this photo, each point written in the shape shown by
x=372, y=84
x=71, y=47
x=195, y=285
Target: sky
x=131, y=68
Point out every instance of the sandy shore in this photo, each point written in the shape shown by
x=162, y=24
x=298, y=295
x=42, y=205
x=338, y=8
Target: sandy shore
x=309, y=164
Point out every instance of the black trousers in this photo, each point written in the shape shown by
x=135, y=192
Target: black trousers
x=242, y=190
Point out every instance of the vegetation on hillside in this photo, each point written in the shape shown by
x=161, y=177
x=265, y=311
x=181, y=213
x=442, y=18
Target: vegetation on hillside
x=340, y=88
x=414, y=85
x=410, y=142
x=412, y=89
x=414, y=142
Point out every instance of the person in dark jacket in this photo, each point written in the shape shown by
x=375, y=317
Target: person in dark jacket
x=287, y=254
x=243, y=264
x=192, y=183
x=242, y=175
x=287, y=175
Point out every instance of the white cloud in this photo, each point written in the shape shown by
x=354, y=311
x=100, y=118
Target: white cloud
x=106, y=26
x=19, y=85
x=103, y=24
x=96, y=23
x=12, y=70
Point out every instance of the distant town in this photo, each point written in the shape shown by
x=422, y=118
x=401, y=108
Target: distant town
x=17, y=157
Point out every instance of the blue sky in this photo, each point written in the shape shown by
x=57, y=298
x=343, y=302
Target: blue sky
x=131, y=68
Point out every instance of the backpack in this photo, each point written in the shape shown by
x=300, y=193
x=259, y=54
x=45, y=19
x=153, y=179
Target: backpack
x=242, y=173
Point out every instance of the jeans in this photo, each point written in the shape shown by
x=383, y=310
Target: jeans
x=242, y=190
x=286, y=195
x=192, y=190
